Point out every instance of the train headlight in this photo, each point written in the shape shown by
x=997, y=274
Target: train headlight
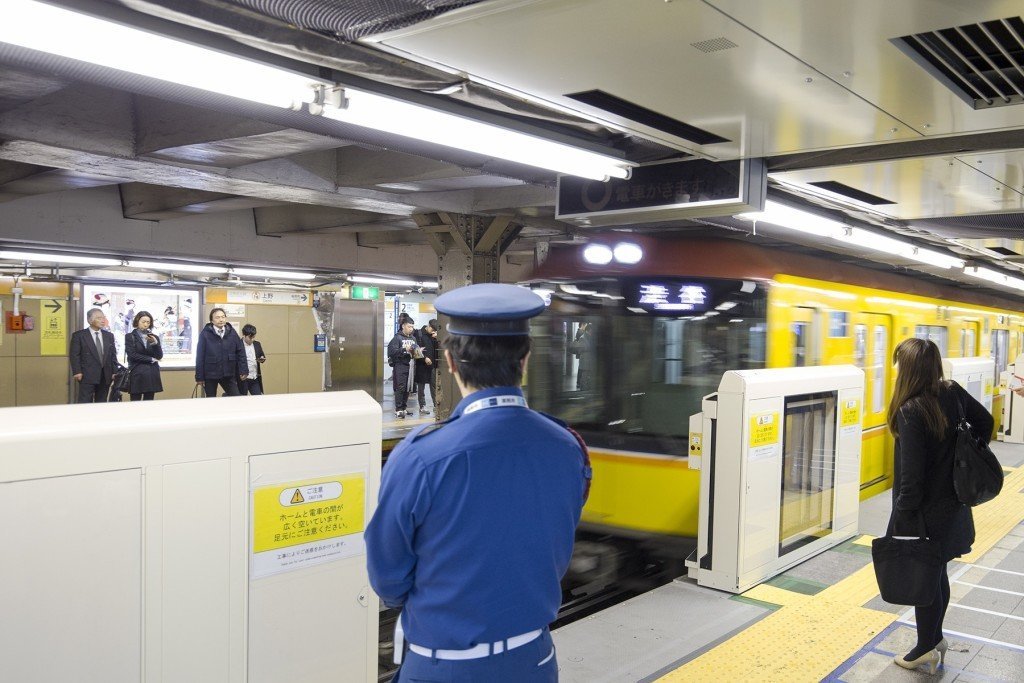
x=598, y=254
x=628, y=253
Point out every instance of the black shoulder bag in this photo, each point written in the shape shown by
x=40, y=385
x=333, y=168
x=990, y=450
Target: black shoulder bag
x=907, y=569
x=977, y=474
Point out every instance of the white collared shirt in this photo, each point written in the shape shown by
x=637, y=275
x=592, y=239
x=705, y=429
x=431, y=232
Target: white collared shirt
x=250, y=357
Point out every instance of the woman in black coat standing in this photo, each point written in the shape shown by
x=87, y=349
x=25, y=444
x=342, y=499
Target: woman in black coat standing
x=923, y=416
x=143, y=350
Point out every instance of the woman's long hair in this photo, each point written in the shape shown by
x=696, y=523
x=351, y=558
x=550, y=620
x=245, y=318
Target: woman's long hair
x=918, y=380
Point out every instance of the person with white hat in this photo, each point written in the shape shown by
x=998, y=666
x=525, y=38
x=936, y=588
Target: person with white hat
x=477, y=514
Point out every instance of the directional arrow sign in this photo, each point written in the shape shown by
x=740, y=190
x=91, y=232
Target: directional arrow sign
x=54, y=307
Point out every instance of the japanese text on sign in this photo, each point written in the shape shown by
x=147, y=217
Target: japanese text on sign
x=850, y=415
x=301, y=523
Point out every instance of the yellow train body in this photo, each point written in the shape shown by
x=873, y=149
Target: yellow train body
x=637, y=493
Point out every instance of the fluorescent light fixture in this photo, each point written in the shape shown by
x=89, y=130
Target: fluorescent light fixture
x=58, y=258
x=872, y=240
x=451, y=130
x=178, y=267
x=935, y=258
x=65, y=33
x=725, y=306
x=628, y=253
x=787, y=217
x=279, y=274
x=364, y=279
x=995, y=277
x=598, y=254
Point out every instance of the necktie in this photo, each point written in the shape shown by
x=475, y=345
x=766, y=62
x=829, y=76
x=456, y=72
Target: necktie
x=99, y=344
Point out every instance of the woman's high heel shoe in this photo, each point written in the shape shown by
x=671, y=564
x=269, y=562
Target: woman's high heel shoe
x=932, y=658
x=941, y=649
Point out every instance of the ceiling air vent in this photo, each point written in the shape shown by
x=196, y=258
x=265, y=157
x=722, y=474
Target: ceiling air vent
x=981, y=63
x=714, y=44
x=642, y=115
x=851, y=192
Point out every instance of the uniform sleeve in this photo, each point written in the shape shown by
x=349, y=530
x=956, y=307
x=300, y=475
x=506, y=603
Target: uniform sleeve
x=914, y=445
x=404, y=501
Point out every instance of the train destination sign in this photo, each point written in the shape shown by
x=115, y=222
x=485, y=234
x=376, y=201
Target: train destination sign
x=669, y=297
x=664, y=191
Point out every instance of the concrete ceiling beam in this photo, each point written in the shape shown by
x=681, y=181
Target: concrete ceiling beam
x=359, y=167
x=156, y=203
x=289, y=219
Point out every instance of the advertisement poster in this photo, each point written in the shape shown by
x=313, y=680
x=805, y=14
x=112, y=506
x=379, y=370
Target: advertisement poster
x=176, y=317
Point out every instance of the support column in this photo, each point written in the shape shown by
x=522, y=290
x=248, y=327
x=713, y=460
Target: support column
x=469, y=250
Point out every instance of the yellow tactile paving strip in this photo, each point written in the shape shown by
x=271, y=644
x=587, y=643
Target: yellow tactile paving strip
x=809, y=637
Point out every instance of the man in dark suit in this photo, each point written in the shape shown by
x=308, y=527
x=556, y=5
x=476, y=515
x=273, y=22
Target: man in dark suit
x=92, y=357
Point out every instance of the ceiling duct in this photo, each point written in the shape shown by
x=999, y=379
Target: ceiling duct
x=844, y=190
x=981, y=63
x=607, y=102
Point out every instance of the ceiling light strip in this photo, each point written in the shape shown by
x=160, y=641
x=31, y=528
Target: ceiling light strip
x=410, y=120
x=65, y=33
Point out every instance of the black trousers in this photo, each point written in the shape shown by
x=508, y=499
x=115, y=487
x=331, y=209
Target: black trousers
x=228, y=384
x=420, y=393
x=143, y=396
x=400, y=383
x=250, y=387
x=93, y=393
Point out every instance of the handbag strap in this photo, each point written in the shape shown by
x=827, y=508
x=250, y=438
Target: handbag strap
x=923, y=528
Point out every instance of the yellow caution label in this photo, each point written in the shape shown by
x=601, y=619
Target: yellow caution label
x=849, y=415
x=696, y=443
x=988, y=387
x=764, y=429
x=300, y=512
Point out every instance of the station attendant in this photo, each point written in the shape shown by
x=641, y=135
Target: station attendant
x=475, y=523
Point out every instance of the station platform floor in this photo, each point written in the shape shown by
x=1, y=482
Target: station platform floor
x=822, y=620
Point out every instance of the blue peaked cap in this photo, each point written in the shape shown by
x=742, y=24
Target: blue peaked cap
x=489, y=310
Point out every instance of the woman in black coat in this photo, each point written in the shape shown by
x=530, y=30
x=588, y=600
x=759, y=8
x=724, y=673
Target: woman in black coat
x=143, y=350
x=923, y=416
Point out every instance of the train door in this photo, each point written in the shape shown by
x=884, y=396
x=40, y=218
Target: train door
x=872, y=338
x=804, y=336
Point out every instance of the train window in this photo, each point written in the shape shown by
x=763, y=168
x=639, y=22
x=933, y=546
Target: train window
x=808, y=469
x=935, y=333
x=1000, y=351
x=878, y=367
x=631, y=378
x=800, y=341
x=860, y=345
x=838, y=324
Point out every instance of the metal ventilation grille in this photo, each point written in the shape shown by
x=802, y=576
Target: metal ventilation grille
x=981, y=63
x=714, y=44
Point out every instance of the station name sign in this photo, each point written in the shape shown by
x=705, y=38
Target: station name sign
x=664, y=191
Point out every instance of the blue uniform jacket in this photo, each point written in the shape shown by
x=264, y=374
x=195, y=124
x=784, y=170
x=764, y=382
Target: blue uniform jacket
x=475, y=525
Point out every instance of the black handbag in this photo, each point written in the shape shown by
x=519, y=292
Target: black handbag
x=122, y=382
x=907, y=569
x=977, y=474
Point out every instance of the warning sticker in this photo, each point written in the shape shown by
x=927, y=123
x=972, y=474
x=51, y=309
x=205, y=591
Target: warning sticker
x=696, y=443
x=764, y=435
x=302, y=523
x=850, y=414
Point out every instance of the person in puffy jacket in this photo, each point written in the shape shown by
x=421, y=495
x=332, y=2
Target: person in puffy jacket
x=220, y=357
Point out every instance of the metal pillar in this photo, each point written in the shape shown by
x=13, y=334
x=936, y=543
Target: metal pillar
x=469, y=250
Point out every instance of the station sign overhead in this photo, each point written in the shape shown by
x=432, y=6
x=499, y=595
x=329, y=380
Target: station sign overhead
x=664, y=191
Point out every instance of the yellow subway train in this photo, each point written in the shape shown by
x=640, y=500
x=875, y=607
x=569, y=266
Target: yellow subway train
x=640, y=328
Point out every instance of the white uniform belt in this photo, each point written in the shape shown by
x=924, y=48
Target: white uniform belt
x=481, y=650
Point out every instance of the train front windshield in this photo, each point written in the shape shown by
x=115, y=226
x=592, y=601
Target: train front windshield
x=626, y=362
